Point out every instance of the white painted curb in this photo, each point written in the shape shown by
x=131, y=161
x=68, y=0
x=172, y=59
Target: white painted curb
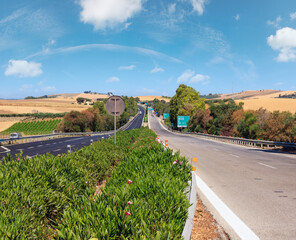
x=242, y=230
x=186, y=234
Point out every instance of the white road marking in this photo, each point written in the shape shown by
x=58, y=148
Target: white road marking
x=266, y=165
x=47, y=144
x=6, y=149
x=54, y=143
x=73, y=139
x=234, y=155
x=20, y=149
x=31, y=156
x=56, y=150
x=242, y=230
x=30, y=147
x=40, y=146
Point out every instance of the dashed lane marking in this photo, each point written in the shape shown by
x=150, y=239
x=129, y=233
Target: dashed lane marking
x=57, y=150
x=266, y=165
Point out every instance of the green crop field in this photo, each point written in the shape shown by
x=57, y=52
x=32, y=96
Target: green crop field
x=34, y=127
x=134, y=190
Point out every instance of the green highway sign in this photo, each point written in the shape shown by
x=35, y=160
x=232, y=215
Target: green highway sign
x=182, y=121
x=166, y=115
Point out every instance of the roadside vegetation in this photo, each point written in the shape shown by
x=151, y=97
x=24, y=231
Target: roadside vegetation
x=225, y=117
x=96, y=118
x=33, y=127
x=134, y=190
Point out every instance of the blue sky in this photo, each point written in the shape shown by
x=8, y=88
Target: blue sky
x=146, y=47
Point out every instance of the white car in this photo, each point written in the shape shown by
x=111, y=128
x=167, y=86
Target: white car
x=15, y=135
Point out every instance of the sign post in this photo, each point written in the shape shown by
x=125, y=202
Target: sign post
x=115, y=106
x=115, y=121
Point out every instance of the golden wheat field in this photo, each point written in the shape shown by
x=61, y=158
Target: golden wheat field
x=151, y=98
x=38, y=105
x=271, y=104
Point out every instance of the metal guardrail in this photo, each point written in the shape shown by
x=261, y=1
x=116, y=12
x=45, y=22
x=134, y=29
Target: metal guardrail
x=239, y=141
x=37, y=138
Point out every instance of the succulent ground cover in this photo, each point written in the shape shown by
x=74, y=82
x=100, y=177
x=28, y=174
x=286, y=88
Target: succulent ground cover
x=134, y=190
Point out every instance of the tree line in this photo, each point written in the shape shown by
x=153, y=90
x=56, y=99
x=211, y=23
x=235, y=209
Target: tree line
x=96, y=118
x=226, y=118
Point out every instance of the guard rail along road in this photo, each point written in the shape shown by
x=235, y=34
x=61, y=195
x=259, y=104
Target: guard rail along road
x=235, y=140
x=8, y=141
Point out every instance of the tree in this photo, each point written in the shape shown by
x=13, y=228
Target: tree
x=248, y=127
x=279, y=126
x=184, y=103
x=74, y=121
x=199, y=121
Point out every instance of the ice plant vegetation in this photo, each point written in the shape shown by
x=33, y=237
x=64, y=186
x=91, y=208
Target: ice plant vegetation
x=47, y=197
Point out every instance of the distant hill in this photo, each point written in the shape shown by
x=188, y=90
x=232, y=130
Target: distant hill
x=250, y=94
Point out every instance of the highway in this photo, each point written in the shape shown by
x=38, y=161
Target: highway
x=258, y=186
x=60, y=145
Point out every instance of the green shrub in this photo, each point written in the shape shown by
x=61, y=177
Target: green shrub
x=52, y=197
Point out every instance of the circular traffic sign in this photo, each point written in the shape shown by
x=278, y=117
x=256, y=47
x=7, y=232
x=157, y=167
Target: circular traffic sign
x=115, y=101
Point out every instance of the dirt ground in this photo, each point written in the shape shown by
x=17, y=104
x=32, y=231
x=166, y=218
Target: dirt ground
x=205, y=226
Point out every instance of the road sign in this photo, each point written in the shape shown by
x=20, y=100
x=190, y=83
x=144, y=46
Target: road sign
x=115, y=102
x=115, y=106
x=150, y=108
x=182, y=121
x=166, y=115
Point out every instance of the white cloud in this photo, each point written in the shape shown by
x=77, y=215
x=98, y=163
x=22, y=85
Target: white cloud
x=284, y=41
x=172, y=8
x=157, y=69
x=276, y=22
x=108, y=13
x=49, y=89
x=293, y=16
x=199, y=78
x=188, y=76
x=199, y=6
x=131, y=67
x=26, y=87
x=237, y=17
x=15, y=15
x=279, y=83
x=106, y=47
x=22, y=68
x=113, y=79
x=185, y=76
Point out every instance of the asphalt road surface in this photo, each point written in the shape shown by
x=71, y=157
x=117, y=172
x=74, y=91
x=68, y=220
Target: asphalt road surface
x=257, y=185
x=60, y=145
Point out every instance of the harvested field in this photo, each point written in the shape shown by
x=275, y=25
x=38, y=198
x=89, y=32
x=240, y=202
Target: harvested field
x=151, y=98
x=271, y=104
x=38, y=105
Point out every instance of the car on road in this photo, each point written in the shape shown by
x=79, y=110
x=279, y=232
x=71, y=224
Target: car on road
x=15, y=135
